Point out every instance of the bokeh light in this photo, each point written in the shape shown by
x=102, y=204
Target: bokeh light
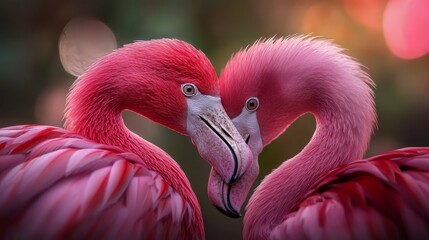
x=82, y=42
x=367, y=12
x=327, y=20
x=406, y=27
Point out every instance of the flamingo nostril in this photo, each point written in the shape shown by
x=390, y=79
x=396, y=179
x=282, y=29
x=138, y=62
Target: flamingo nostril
x=247, y=139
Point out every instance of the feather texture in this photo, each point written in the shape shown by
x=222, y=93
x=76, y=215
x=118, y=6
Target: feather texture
x=356, y=201
x=82, y=189
x=326, y=191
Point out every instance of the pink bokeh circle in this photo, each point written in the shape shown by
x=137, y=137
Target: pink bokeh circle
x=406, y=27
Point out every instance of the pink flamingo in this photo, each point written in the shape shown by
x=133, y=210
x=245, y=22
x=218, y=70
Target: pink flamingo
x=97, y=179
x=321, y=193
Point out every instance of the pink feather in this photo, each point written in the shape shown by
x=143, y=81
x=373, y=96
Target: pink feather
x=66, y=186
x=326, y=191
x=381, y=197
x=98, y=180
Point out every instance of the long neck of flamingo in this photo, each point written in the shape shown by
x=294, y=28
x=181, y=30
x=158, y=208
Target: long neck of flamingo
x=94, y=110
x=345, y=116
x=338, y=139
x=94, y=113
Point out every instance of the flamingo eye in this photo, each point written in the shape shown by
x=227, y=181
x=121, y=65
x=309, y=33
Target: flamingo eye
x=189, y=89
x=252, y=104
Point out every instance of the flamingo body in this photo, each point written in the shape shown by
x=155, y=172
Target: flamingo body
x=97, y=179
x=383, y=197
x=57, y=184
x=326, y=191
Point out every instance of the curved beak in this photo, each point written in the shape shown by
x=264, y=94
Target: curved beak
x=216, y=138
x=229, y=198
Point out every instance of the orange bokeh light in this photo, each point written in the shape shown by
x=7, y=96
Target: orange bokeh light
x=367, y=12
x=326, y=20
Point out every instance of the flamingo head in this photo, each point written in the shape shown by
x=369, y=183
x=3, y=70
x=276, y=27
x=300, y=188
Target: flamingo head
x=184, y=96
x=174, y=84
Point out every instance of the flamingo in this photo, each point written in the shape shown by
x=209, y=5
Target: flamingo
x=326, y=191
x=96, y=179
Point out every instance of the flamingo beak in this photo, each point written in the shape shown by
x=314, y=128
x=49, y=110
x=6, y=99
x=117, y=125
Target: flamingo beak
x=216, y=138
x=229, y=198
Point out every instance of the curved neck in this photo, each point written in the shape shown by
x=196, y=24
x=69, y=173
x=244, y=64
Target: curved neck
x=94, y=110
x=344, y=111
x=338, y=139
x=96, y=117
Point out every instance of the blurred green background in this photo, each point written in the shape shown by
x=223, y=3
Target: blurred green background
x=33, y=83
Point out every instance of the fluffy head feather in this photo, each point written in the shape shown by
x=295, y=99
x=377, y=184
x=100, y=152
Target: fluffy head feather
x=144, y=77
x=305, y=73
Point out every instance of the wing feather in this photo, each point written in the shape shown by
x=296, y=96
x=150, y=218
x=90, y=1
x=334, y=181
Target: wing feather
x=384, y=197
x=55, y=184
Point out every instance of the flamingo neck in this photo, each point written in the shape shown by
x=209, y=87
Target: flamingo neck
x=335, y=142
x=103, y=123
x=345, y=117
x=94, y=110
